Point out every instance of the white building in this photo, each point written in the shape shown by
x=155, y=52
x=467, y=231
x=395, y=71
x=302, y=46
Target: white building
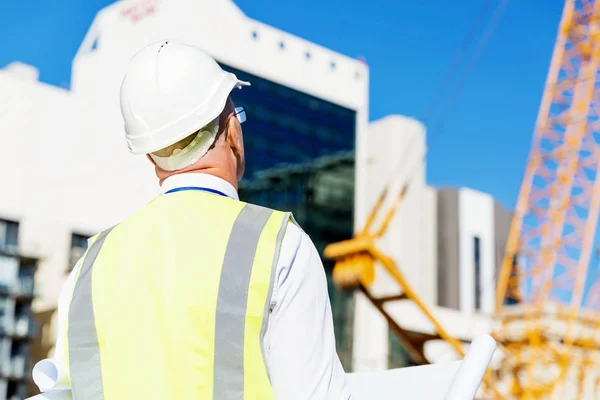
x=472, y=233
x=69, y=174
x=448, y=243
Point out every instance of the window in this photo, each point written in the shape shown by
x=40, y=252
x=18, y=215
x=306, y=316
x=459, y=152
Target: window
x=78, y=248
x=398, y=356
x=23, y=319
x=18, y=359
x=3, y=312
x=26, y=280
x=277, y=113
x=9, y=235
x=303, y=127
x=477, y=267
x=94, y=44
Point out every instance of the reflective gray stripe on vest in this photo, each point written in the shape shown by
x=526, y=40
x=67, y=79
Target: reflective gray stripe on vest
x=232, y=300
x=84, y=352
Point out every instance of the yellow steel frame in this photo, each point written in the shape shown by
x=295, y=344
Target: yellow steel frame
x=555, y=220
x=553, y=229
x=355, y=261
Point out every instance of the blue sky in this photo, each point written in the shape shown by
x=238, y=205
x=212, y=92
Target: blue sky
x=408, y=46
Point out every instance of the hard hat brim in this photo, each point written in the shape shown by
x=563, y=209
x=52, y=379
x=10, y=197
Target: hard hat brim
x=188, y=123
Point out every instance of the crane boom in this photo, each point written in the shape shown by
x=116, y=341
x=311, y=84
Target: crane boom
x=547, y=318
x=545, y=300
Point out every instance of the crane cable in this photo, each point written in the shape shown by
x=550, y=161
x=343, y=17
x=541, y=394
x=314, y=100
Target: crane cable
x=487, y=34
x=483, y=40
x=455, y=64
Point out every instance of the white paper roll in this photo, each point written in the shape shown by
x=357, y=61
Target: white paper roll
x=472, y=369
x=53, y=395
x=51, y=374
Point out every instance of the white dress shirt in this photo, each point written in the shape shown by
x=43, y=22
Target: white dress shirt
x=299, y=342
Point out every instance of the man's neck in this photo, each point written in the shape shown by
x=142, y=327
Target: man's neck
x=200, y=181
x=223, y=173
x=219, y=173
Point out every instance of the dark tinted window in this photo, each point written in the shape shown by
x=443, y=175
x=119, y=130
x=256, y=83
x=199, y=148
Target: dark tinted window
x=79, y=245
x=9, y=235
x=477, y=265
x=287, y=126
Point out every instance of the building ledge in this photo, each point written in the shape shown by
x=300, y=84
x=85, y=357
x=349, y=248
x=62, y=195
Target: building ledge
x=22, y=71
x=23, y=256
x=460, y=325
x=15, y=292
x=28, y=337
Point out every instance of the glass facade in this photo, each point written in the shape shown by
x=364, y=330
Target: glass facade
x=299, y=158
x=398, y=356
x=287, y=126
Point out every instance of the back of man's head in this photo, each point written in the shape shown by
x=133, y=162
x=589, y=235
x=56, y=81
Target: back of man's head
x=175, y=101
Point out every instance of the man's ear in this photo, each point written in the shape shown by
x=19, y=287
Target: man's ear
x=235, y=140
x=234, y=135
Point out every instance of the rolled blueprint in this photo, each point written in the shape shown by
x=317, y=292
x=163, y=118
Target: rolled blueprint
x=53, y=395
x=472, y=369
x=51, y=374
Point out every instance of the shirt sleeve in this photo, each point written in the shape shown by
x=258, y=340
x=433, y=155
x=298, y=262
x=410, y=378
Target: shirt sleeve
x=301, y=357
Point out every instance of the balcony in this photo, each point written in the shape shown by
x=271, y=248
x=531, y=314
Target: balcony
x=25, y=288
x=5, y=369
x=23, y=256
x=5, y=289
x=23, y=328
x=15, y=369
x=18, y=366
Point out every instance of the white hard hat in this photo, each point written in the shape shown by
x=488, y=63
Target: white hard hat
x=170, y=91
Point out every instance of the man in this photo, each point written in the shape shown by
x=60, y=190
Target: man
x=197, y=295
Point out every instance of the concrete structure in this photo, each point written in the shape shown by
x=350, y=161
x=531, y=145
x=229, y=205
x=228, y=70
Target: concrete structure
x=432, y=238
x=472, y=233
x=395, y=149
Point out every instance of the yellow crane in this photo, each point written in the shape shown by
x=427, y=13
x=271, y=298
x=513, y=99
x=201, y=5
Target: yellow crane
x=546, y=321
x=546, y=313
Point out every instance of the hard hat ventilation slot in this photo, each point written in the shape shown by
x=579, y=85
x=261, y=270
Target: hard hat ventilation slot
x=163, y=45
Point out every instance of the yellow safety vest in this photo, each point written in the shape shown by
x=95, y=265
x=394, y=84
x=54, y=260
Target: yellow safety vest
x=173, y=303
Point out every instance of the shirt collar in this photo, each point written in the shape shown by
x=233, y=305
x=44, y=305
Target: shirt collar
x=196, y=179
